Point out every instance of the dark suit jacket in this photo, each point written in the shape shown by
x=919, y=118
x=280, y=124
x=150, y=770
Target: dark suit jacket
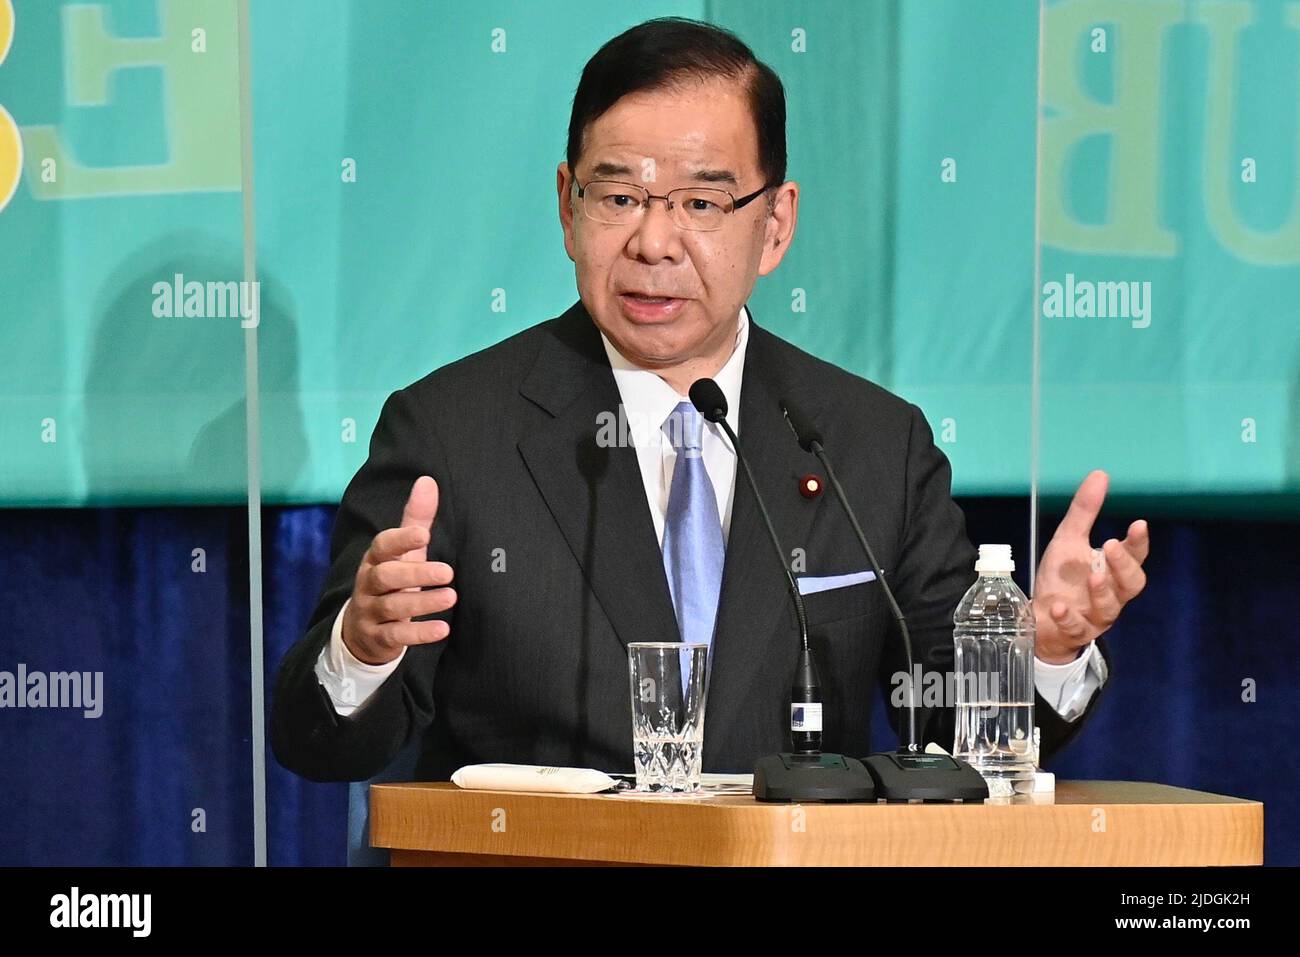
x=535, y=669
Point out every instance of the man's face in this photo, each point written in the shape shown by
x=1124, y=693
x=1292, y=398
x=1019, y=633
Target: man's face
x=662, y=140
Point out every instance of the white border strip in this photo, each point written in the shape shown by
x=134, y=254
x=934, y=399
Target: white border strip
x=253, y=423
x=1036, y=378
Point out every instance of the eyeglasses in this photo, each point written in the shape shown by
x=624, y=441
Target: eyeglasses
x=691, y=207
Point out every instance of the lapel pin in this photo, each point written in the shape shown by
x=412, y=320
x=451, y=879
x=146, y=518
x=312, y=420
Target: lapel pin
x=810, y=486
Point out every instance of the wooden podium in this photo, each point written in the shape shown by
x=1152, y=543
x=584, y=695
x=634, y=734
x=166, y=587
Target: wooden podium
x=1095, y=823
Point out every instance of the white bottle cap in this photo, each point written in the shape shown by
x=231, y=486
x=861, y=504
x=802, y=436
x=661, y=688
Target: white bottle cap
x=995, y=560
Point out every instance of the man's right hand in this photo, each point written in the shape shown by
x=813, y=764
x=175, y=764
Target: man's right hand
x=377, y=625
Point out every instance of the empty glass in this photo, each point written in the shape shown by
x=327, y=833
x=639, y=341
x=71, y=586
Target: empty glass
x=669, y=682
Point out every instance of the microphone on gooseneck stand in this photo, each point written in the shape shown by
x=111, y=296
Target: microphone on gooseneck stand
x=909, y=773
x=806, y=774
x=810, y=440
x=708, y=399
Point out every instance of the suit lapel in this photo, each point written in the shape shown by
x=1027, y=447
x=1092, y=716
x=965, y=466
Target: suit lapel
x=594, y=491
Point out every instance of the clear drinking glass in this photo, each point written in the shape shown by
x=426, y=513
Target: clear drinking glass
x=669, y=683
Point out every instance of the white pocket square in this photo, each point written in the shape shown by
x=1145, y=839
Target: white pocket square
x=809, y=586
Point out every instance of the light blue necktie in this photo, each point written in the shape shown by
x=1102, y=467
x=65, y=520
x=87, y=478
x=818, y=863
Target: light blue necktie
x=693, y=548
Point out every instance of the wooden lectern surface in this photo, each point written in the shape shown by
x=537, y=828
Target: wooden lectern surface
x=1098, y=823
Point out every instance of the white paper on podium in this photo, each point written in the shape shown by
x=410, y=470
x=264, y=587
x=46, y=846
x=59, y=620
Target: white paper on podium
x=740, y=783
x=532, y=777
x=554, y=780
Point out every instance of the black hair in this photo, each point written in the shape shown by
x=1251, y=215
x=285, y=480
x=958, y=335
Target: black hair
x=669, y=51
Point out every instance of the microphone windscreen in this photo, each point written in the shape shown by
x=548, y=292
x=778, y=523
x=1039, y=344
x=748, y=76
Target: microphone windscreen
x=804, y=430
x=706, y=396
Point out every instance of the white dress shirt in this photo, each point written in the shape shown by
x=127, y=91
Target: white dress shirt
x=647, y=402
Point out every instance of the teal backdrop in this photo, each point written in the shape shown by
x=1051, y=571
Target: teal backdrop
x=403, y=169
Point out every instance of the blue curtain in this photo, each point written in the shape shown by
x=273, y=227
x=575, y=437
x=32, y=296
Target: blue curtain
x=116, y=591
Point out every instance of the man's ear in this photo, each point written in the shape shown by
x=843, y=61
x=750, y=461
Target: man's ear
x=564, y=189
x=779, y=227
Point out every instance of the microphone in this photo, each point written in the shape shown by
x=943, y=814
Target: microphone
x=909, y=774
x=810, y=440
x=706, y=395
x=806, y=774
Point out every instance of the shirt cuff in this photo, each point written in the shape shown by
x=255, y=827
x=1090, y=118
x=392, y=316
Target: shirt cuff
x=1069, y=687
x=349, y=681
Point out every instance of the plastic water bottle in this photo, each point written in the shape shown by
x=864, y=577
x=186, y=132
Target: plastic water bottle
x=994, y=672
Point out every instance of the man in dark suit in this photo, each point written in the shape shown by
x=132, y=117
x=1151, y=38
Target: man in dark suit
x=500, y=470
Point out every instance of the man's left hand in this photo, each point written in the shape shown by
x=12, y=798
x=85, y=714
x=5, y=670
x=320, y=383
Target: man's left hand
x=1080, y=590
